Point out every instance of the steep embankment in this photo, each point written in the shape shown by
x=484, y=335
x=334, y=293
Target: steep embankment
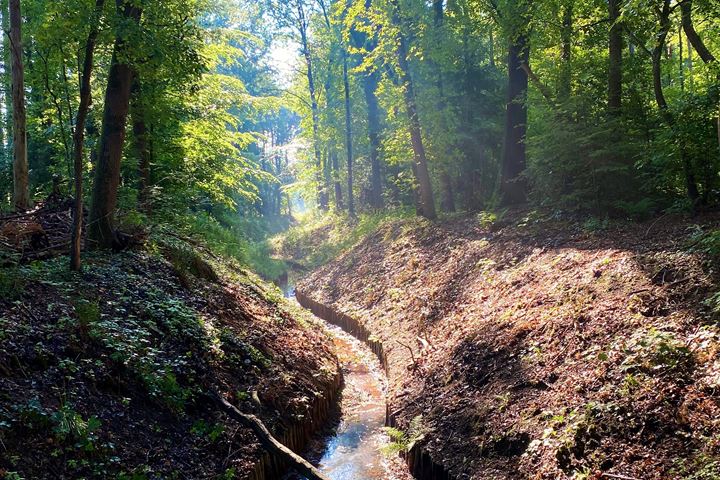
x=536, y=349
x=105, y=374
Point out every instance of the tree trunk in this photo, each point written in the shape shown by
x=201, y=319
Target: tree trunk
x=107, y=172
x=370, y=82
x=513, y=185
x=339, y=204
x=142, y=142
x=425, y=199
x=615, y=53
x=566, y=33
x=657, y=52
x=321, y=193
x=448, y=193
x=370, y=85
x=447, y=200
x=79, y=137
x=7, y=81
x=348, y=136
x=21, y=180
x=700, y=48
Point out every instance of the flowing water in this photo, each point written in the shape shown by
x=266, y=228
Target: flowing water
x=353, y=451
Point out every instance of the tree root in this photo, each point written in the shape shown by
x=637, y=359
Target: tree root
x=269, y=443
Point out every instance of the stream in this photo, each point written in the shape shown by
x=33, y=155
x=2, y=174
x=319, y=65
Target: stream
x=353, y=450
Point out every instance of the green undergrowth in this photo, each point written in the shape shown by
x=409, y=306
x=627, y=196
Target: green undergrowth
x=231, y=236
x=134, y=332
x=318, y=239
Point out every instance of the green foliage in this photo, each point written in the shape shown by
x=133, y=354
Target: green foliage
x=655, y=352
x=322, y=238
x=11, y=283
x=703, y=467
x=69, y=425
x=404, y=441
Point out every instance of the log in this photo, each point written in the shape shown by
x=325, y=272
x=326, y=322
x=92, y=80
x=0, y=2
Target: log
x=269, y=443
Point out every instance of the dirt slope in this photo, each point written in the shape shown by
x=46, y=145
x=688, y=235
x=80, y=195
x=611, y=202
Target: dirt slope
x=103, y=375
x=537, y=349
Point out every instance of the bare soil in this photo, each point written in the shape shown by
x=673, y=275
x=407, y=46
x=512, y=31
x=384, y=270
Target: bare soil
x=535, y=348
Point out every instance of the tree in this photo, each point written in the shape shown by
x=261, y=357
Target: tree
x=615, y=47
x=21, y=195
x=513, y=186
x=117, y=101
x=425, y=200
x=79, y=136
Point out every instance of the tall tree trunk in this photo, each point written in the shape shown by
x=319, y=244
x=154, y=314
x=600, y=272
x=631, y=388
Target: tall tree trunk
x=566, y=34
x=339, y=203
x=321, y=193
x=447, y=199
x=425, y=199
x=142, y=142
x=370, y=85
x=700, y=47
x=348, y=136
x=615, y=58
x=79, y=136
x=107, y=172
x=513, y=185
x=7, y=80
x=668, y=117
x=21, y=180
x=370, y=82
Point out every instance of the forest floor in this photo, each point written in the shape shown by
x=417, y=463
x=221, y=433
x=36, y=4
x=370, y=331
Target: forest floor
x=544, y=348
x=104, y=374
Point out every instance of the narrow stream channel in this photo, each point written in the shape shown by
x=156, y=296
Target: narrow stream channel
x=353, y=451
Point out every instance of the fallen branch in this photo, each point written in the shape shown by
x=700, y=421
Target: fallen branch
x=272, y=445
x=412, y=355
x=620, y=477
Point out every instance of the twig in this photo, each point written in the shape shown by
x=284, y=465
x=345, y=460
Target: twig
x=621, y=477
x=412, y=355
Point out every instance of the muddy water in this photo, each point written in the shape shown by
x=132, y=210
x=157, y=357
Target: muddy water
x=353, y=451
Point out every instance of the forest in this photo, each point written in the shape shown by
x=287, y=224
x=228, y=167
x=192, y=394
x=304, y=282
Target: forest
x=360, y=239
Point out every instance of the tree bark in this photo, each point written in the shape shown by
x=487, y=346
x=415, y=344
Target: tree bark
x=21, y=179
x=370, y=85
x=370, y=82
x=7, y=81
x=321, y=193
x=701, y=49
x=269, y=443
x=107, y=171
x=513, y=185
x=339, y=203
x=566, y=34
x=348, y=136
x=142, y=142
x=79, y=137
x=447, y=200
x=425, y=199
x=615, y=44
x=657, y=52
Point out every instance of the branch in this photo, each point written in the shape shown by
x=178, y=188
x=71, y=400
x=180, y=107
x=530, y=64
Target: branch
x=637, y=41
x=538, y=84
x=269, y=442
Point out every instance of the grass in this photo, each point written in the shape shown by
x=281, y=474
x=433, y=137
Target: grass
x=318, y=239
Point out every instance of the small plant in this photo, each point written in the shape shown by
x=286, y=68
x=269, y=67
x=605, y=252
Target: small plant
x=703, y=467
x=403, y=442
x=655, y=351
x=70, y=426
x=11, y=283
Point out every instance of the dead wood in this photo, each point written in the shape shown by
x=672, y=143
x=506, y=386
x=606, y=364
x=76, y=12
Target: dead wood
x=269, y=443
